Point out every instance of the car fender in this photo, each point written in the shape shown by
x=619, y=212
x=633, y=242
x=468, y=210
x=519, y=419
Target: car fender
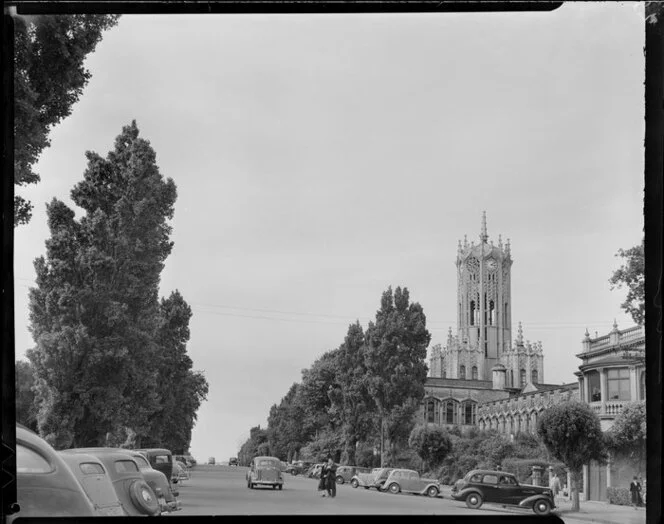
x=461, y=495
x=429, y=485
x=528, y=502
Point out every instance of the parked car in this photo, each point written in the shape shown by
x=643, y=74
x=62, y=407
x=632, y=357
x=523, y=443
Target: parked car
x=133, y=491
x=181, y=471
x=265, y=471
x=232, y=461
x=96, y=483
x=500, y=487
x=298, y=468
x=409, y=481
x=314, y=471
x=346, y=473
x=45, y=485
x=160, y=459
x=157, y=480
x=187, y=459
x=375, y=479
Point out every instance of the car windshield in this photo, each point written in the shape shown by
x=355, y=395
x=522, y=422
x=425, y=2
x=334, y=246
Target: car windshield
x=142, y=462
x=264, y=463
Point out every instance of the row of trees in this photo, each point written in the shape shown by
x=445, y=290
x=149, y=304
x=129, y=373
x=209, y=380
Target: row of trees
x=358, y=396
x=110, y=365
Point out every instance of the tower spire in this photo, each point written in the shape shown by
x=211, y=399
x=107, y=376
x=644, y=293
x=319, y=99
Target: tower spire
x=483, y=236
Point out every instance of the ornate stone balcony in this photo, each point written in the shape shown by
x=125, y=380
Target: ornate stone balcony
x=608, y=408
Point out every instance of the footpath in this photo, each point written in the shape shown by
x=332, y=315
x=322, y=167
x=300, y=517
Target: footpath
x=594, y=511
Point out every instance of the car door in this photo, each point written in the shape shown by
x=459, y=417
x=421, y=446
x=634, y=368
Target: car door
x=507, y=490
x=490, y=487
x=409, y=482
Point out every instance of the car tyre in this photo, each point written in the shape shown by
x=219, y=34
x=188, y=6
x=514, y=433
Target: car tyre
x=144, y=498
x=340, y=479
x=394, y=488
x=354, y=483
x=280, y=487
x=542, y=507
x=432, y=491
x=474, y=500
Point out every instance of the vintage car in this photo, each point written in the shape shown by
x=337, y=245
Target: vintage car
x=375, y=479
x=160, y=459
x=346, y=473
x=133, y=491
x=165, y=492
x=181, y=471
x=409, y=481
x=212, y=461
x=45, y=485
x=500, y=487
x=299, y=467
x=91, y=474
x=187, y=459
x=265, y=471
x=232, y=461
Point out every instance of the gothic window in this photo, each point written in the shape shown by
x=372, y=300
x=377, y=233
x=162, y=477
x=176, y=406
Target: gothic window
x=444, y=373
x=511, y=378
x=594, y=387
x=618, y=384
x=469, y=412
x=474, y=373
x=642, y=383
x=533, y=376
x=472, y=312
x=450, y=410
x=491, y=308
x=505, y=319
x=522, y=377
x=431, y=411
x=462, y=372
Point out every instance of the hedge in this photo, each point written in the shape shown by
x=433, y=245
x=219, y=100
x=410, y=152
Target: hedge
x=619, y=496
x=523, y=468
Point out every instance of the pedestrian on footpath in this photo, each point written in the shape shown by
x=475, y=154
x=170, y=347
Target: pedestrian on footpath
x=322, y=483
x=554, y=486
x=331, y=472
x=635, y=491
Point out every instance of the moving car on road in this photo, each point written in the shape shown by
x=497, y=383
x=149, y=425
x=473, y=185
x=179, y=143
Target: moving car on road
x=265, y=471
x=409, y=481
x=45, y=485
x=375, y=479
x=232, y=461
x=499, y=487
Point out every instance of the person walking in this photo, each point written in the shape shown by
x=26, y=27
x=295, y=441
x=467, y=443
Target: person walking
x=331, y=473
x=635, y=491
x=554, y=486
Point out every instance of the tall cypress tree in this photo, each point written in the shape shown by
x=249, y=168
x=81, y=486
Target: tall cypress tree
x=95, y=309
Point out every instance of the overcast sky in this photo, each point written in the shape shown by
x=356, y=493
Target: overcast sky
x=320, y=159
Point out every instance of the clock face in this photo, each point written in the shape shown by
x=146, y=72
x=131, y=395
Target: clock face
x=492, y=264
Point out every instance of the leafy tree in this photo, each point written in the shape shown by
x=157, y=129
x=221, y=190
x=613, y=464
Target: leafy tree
x=395, y=357
x=49, y=78
x=350, y=398
x=94, y=312
x=432, y=443
x=317, y=387
x=627, y=435
x=26, y=411
x=572, y=433
x=250, y=448
x=180, y=389
x=632, y=275
x=285, y=429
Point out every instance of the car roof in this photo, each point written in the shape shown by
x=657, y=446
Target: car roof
x=155, y=450
x=490, y=472
x=102, y=452
x=266, y=457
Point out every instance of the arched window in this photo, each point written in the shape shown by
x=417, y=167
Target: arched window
x=444, y=373
x=462, y=372
x=472, y=312
x=474, y=372
x=511, y=378
x=451, y=408
x=533, y=376
x=642, y=384
x=431, y=411
x=594, y=386
x=522, y=377
x=469, y=412
x=491, y=308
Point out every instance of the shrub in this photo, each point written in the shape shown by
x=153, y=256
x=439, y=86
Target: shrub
x=523, y=468
x=619, y=496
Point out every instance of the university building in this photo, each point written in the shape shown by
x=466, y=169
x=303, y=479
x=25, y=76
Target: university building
x=482, y=378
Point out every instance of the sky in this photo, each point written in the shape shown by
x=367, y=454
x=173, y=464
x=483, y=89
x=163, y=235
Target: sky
x=320, y=159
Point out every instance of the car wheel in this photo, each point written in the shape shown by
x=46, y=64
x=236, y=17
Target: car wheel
x=394, y=488
x=354, y=483
x=280, y=486
x=432, y=491
x=340, y=479
x=144, y=498
x=474, y=501
x=542, y=507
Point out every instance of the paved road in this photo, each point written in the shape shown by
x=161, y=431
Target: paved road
x=222, y=490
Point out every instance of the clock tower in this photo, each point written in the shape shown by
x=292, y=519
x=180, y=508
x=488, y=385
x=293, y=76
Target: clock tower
x=483, y=302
